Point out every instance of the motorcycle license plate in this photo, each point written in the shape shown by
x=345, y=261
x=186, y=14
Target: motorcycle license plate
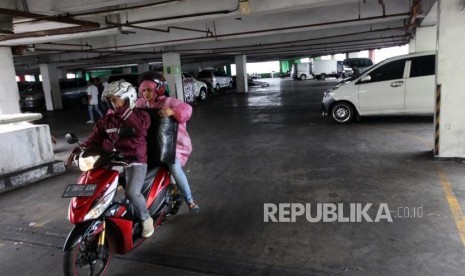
x=74, y=190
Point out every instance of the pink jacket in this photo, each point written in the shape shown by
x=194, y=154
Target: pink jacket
x=183, y=113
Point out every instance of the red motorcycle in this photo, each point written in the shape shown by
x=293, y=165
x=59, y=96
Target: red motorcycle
x=105, y=225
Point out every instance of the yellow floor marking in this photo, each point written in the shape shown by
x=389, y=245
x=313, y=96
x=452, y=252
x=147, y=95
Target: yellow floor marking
x=453, y=203
x=446, y=185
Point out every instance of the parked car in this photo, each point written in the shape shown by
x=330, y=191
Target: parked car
x=215, y=79
x=402, y=85
x=358, y=65
x=72, y=91
x=344, y=71
x=31, y=96
x=200, y=88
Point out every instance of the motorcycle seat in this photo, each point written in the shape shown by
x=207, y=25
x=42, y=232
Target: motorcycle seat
x=149, y=177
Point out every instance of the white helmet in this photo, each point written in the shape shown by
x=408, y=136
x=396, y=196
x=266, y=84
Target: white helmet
x=121, y=89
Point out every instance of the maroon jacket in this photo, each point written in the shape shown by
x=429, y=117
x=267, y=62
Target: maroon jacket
x=105, y=133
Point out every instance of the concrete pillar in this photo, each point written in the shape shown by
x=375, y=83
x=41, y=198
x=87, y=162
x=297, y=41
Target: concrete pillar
x=412, y=45
x=61, y=73
x=241, y=74
x=9, y=94
x=51, y=86
x=372, y=55
x=172, y=71
x=425, y=39
x=450, y=78
x=144, y=67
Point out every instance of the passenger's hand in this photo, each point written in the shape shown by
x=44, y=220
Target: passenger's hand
x=165, y=112
x=74, y=154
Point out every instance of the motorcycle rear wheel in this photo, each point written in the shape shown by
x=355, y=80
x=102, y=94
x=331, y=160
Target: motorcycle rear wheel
x=84, y=259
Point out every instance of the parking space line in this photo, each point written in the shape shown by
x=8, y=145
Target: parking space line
x=453, y=203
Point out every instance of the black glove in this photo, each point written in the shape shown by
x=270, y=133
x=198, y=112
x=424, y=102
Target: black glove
x=74, y=154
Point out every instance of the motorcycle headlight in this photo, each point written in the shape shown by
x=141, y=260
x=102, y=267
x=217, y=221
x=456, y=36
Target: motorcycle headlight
x=103, y=203
x=87, y=163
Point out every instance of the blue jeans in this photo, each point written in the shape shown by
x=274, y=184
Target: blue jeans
x=91, y=113
x=181, y=180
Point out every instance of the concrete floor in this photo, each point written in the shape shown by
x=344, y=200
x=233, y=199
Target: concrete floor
x=270, y=146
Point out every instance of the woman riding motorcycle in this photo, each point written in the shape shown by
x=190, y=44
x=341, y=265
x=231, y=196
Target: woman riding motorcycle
x=122, y=97
x=153, y=96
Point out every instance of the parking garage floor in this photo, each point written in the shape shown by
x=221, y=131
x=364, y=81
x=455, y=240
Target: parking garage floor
x=272, y=146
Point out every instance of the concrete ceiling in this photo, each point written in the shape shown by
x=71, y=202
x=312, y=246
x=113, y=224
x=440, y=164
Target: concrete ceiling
x=79, y=34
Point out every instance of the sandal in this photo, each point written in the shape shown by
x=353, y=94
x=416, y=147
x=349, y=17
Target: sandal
x=193, y=208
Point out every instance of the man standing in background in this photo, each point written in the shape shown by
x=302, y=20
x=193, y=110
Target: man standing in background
x=92, y=94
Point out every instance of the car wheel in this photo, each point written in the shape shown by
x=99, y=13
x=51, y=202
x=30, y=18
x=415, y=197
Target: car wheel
x=202, y=95
x=230, y=85
x=217, y=87
x=342, y=112
x=84, y=100
x=303, y=77
x=323, y=77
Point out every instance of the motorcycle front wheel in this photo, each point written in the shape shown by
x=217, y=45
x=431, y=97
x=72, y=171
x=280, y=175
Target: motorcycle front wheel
x=85, y=258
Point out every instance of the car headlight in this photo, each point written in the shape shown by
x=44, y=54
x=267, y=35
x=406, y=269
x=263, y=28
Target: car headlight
x=328, y=94
x=87, y=163
x=103, y=203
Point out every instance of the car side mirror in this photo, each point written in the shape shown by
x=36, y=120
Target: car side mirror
x=71, y=138
x=126, y=132
x=366, y=78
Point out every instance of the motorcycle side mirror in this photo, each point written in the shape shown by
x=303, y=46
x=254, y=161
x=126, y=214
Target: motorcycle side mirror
x=126, y=132
x=71, y=138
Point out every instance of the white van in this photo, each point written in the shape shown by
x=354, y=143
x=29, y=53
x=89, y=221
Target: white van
x=326, y=68
x=301, y=71
x=402, y=85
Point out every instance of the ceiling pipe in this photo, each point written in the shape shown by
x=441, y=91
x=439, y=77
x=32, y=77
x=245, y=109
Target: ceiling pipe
x=105, y=12
x=211, y=51
x=41, y=17
x=323, y=49
x=118, y=10
x=168, y=30
x=96, y=28
x=61, y=31
x=400, y=15
x=365, y=40
x=231, y=48
x=252, y=56
x=186, y=16
x=415, y=10
x=302, y=40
